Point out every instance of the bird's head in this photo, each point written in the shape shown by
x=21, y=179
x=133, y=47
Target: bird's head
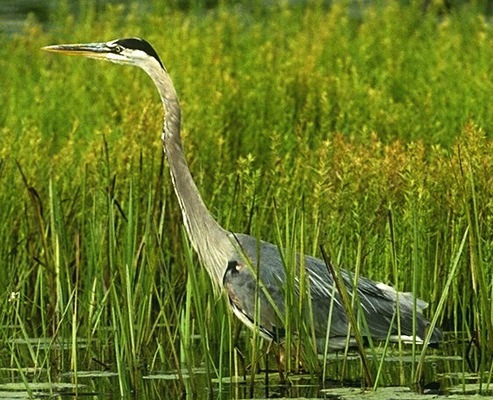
x=133, y=51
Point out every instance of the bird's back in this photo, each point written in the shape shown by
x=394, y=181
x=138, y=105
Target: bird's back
x=259, y=272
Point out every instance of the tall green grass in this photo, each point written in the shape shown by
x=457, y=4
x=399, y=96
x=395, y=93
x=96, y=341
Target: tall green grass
x=305, y=126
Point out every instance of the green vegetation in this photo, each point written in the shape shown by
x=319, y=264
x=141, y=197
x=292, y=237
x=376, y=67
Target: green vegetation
x=308, y=127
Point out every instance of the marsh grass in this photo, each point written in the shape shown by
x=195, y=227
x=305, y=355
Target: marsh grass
x=373, y=140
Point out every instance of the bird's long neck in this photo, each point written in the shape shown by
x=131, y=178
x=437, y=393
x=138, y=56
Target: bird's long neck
x=208, y=238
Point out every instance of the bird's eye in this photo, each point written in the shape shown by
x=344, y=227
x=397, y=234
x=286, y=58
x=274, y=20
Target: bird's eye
x=115, y=48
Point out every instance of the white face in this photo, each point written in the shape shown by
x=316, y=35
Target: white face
x=122, y=55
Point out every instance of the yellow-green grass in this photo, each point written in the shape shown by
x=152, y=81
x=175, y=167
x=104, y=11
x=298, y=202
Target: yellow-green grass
x=306, y=126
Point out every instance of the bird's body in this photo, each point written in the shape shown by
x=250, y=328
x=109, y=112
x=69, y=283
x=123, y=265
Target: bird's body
x=377, y=301
x=251, y=272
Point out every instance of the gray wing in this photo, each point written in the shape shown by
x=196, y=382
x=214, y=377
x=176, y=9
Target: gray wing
x=265, y=278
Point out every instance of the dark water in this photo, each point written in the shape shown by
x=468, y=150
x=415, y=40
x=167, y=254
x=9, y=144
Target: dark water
x=447, y=372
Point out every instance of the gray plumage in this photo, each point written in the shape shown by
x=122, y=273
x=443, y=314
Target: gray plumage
x=377, y=301
x=234, y=260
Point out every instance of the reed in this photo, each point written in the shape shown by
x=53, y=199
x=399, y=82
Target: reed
x=385, y=114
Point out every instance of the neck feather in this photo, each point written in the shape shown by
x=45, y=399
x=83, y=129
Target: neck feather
x=208, y=238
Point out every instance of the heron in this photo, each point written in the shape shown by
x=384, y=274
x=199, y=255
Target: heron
x=251, y=272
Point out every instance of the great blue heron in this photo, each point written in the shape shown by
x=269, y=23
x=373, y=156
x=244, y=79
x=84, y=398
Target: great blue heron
x=251, y=272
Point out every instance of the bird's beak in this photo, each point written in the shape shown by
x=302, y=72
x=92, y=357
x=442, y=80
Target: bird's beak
x=92, y=50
